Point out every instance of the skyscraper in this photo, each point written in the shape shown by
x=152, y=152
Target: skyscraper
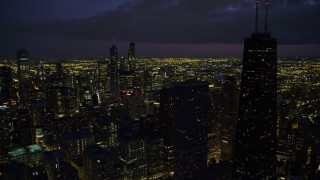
x=6, y=85
x=185, y=107
x=256, y=138
x=230, y=107
x=132, y=52
x=23, y=65
x=114, y=72
x=23, y=75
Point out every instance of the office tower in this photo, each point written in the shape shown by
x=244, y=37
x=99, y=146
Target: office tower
x=59, y=71
x=41, y=73
x=69, y=100
x=155, y=157
x=87, y=98
x=25, y=127
x=256, y=138
x=166, y=113
x=132, y=52
x=23, y=65
x=41, y=80
x=184, y=107
x=103, y=82
x=56, y=101
x=126, y=81
x=6, y=85
x=114, y=74
x=314, y=155
x=105, y=129
x=23, y=75
x=124, y=64
x=132, y=153
x=5, y=126
x=62, y=100
x=101, y=163
x=58, y=78
x=73, y=143
x=229, y=110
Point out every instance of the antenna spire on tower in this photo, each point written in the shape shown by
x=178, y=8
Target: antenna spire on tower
x=257, y=14
x=266, y=18
x=113, y=40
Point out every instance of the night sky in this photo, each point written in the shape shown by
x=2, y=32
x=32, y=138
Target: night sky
x=160, y=28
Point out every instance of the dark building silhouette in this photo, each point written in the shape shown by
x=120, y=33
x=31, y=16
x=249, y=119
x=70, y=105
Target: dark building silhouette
x=114, y=73
x=229, y=109
x=155, y=157
x=102, y=163
x=256, y=141
x=132, y=52
x=186, y=106
x=24, y=127
x=6, y=85
x=132, y=153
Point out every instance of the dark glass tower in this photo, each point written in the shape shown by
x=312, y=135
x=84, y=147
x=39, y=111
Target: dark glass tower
x=114, y=73
x=132, y=52
x=229, y=111
x=6, y=85
x=185, y=109
x=256, y=138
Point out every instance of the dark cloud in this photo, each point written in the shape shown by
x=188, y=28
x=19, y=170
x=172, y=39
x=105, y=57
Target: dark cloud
x=296, y=24
x=186, y=22
x=189, y=21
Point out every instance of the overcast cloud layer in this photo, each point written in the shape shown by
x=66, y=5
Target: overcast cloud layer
x=164, y=21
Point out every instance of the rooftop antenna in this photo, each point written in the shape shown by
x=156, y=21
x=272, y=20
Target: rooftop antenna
x=114, y=40
x=266, y=18
x=257, y=12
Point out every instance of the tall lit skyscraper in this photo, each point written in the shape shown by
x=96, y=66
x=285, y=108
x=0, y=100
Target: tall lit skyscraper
x=114, y=72
x=256, y=138
x=23, y=75
x=23, y=65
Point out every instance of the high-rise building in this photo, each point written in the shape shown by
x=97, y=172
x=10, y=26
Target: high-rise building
x=5, y=126
x=6, y=85
x=166, y=117
x=132, y=52
x=186, y=107
x=103, y=84
x=229, y=110
x=132, y=154
x=73, y=143
x=23, y=75
x=114, y=73
x=105, y=130
x=102, y=163
x=155, y=157
x=25, y=127
x=256, y=138
x=23, y=65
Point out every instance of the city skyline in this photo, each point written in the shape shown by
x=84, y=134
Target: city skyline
x=101, y=109
x=160, y=28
